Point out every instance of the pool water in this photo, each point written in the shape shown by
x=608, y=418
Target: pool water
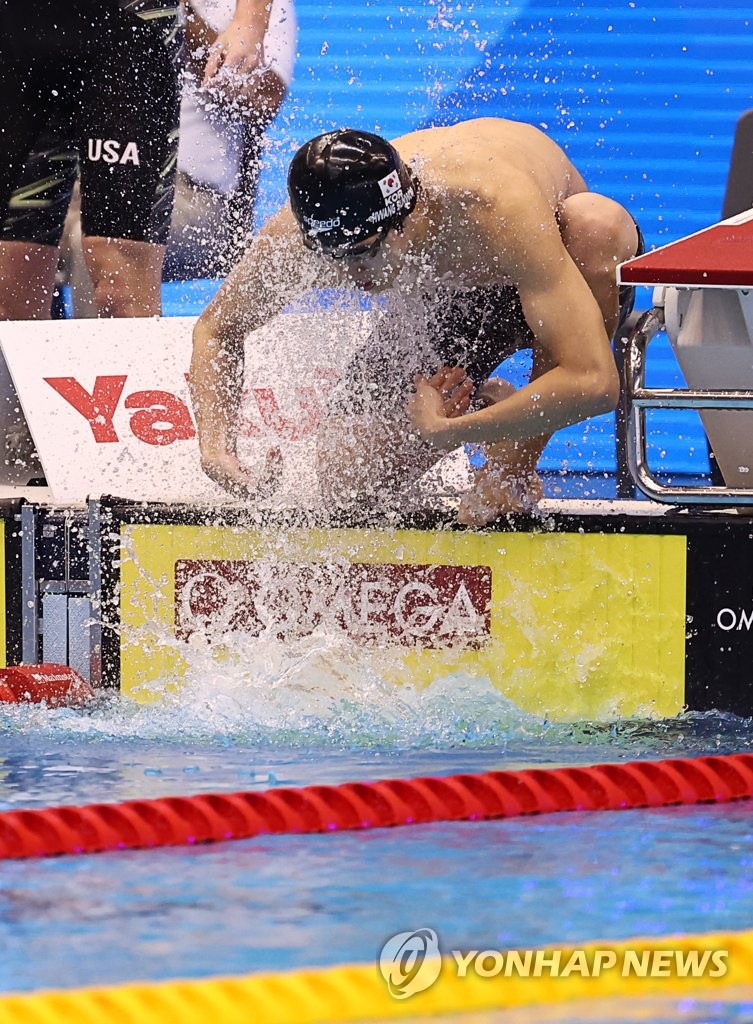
x=286, y=902
x=282, y=902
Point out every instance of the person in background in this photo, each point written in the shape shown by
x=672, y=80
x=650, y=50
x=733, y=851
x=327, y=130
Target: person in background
x=89, y=87
x=222, y=136
x=484, y=239
x=225, y=110
x=92, y=89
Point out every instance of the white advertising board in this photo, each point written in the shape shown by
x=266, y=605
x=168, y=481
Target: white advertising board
x=108, y=406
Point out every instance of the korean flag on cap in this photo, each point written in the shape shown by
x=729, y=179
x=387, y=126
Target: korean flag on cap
x=389, y=184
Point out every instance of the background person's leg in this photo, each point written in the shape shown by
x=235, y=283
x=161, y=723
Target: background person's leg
x=128, y=138
x=27, y=273
x=126, y=275
x=599, y=233
x=199, y=239
x=34, y=191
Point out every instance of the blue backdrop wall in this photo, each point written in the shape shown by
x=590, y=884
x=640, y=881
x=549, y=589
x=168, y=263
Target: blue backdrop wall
x=643, y=96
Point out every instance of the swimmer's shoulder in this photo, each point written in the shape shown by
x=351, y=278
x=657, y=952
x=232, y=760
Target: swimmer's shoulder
x=280, y=226
x=491, y=133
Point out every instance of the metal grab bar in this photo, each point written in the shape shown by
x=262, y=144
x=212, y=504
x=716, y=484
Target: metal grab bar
x=669, y=398
x=639, y=398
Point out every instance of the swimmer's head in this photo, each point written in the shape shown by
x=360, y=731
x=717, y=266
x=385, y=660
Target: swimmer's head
x=348, y=189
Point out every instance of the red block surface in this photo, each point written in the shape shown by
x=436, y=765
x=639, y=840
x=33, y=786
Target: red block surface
x=55, y=685
x=719, y=256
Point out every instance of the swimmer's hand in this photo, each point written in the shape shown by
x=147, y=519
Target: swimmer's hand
x=226, y=470
x=437, y=399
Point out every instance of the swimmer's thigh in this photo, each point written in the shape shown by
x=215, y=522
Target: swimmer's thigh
x=599, y=234
x=477, y=329
x=369, y=462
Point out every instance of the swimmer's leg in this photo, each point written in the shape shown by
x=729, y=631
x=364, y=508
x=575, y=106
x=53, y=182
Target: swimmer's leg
x=369, y=464
x=508, y=481
x=126, y=274
x=599, y=233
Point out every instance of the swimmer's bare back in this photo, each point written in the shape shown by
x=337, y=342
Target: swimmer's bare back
x=485, y=163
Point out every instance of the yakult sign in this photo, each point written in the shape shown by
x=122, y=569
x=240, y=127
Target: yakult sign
x=432, y=606
x=162, y=418
x=108, y=405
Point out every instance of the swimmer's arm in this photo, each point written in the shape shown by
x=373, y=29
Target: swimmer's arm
x=271, y=273
x=579, y=377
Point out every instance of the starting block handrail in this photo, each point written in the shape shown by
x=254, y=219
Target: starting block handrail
x=639, y=398
x=669, y=398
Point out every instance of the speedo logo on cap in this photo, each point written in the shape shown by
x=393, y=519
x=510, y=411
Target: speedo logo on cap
x=316, y=227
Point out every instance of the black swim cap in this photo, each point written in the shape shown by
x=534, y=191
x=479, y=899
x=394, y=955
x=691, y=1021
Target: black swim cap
x=347, y=185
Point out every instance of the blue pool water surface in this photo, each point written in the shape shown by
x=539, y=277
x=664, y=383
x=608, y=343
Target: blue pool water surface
x=285, y=902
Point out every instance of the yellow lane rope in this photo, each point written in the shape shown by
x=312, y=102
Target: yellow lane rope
x=358, y=992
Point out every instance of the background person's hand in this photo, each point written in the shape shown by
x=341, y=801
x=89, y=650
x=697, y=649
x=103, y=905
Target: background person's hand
x=227, y=471
x=235, y=61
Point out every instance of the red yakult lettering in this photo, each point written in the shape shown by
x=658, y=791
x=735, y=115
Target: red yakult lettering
x=97, y=408
x=162, y=417
x=282, y=425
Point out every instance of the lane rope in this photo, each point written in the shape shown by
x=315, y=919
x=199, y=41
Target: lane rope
x=214, y=817
x=357, y=992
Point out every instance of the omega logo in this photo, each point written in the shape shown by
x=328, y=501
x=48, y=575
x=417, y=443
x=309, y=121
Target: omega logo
x=394, y=604
x=729, y=619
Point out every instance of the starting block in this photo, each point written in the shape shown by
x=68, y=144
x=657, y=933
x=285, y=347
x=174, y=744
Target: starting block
x=703, y=298
x=54, y=685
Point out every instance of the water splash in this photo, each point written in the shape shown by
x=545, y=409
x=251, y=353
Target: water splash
x=324, y=692
x=318, y=691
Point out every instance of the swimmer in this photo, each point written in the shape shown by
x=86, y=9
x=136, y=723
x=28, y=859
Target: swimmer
x=491, y=231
